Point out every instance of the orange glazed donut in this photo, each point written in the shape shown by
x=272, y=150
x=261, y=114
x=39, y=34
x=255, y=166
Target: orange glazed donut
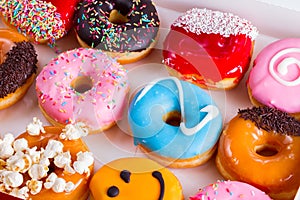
x=18, y=68
x=260, y=146
x=46, y=163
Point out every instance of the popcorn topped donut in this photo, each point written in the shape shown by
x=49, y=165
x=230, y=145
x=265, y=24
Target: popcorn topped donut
x=44, y=161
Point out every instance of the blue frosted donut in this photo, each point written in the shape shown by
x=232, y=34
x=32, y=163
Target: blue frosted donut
x=175, y=122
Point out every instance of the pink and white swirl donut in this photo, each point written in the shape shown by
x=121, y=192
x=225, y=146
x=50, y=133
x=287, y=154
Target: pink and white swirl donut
x=275, y=76
x=82, y=85
x=230, y=190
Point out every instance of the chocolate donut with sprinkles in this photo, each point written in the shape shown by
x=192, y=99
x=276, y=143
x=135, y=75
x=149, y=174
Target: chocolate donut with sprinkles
x=126, y=30
x=18, y=67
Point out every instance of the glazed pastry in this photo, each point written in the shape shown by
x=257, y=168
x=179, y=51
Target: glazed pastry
x=18, y=61
x=41, y=20
x=175, y=122
x=126, y=30
x=209, y=48
x=46, y=163
x=256, y=146
x=274, y=77
x=135, y=178
x=82, y=85
x=230, y=190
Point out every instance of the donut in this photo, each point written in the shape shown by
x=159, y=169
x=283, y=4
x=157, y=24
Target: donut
x=230, y=190
x=209, y=48
x=18, y=68
x=43, y=21
x=175, y=122
x=126, y=30
x=82, y=85
x=275, y=76
x=46, y=162
x=135, y=178
x=260, y=146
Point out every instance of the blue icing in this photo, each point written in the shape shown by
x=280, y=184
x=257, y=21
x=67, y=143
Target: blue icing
x=146, y=113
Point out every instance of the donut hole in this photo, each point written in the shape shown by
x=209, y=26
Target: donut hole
x=172, y=118
x=116, y=17
x=266, y=150
x=81, y=84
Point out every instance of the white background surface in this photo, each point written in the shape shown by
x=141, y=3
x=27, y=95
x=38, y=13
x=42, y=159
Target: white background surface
x=272, y=21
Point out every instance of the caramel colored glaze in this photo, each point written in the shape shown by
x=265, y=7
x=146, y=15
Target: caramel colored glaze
x=238, y=158
x=141, y=185
x=12, y=35
x=81, y=182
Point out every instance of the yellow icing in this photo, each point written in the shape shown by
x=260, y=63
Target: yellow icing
x=142, y=184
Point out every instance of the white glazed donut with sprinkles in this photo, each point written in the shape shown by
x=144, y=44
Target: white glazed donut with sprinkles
x=82, y=85
x=126, y=29
x=37, y=19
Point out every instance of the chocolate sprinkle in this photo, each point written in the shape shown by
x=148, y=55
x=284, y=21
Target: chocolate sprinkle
x=19, y=65
x=272, y=119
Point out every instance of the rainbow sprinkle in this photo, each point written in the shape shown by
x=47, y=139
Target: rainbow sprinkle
x=35, y=18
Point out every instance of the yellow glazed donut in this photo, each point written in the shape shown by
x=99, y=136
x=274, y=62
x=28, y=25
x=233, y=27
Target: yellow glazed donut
x=261, y=146
x=135, y=178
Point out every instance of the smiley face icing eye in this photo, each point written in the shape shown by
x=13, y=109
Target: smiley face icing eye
x=125, y=176
x=113, y=191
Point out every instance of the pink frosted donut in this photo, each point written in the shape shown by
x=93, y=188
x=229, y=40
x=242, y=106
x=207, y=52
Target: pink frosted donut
x=275, y=76
x=230, y=190
x=82, y=85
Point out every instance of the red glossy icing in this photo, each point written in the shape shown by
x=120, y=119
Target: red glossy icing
x=66, y=8
x=212, y=56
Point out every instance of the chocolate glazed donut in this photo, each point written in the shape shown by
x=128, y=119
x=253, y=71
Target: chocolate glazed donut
x=117, y=25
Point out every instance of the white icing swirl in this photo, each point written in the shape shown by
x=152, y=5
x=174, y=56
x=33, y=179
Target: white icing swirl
x=283, y=66
x=211, y=110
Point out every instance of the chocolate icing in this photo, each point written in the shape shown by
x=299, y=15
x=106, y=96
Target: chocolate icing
x=125, y=176
x=271, y=119
x=19, y=65
x=94, y=28
x=158, y=176
x=113, y=191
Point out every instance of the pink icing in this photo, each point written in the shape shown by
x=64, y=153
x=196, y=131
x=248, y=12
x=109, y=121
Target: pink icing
x=230, y=190
x=275, y=76
x=100, y=105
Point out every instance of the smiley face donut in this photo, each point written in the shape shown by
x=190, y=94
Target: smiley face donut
x=209, y=48
x=230, y=190
x=41, y=20
x=82, y=85
x=275, y=76
x=46, y=163
x=135, y=178
x=260, y=146
x=18, y=60
x=175, y=122
x=126, y=30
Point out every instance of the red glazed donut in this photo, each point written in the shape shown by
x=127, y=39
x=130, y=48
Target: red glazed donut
x=209, y=48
